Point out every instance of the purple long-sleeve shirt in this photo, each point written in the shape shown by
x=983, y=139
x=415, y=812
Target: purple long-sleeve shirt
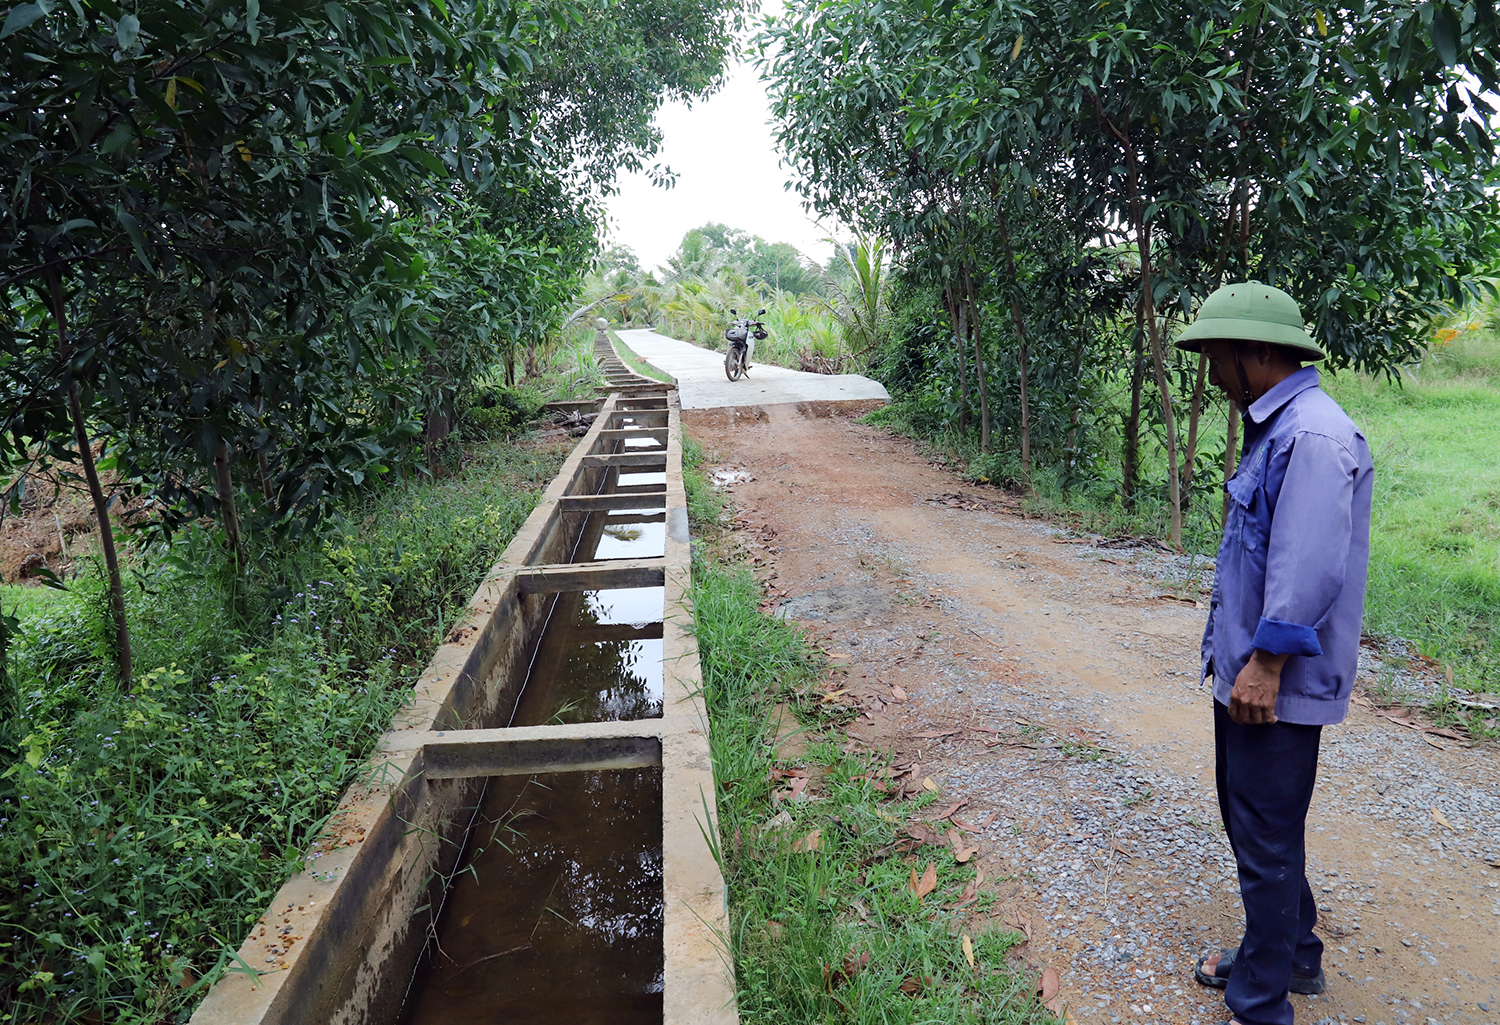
x=1296, y=550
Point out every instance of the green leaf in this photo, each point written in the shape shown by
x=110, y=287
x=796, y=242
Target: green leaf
x=127, y=31
x=137, y=239
x=22, y=16
x=1445, y=32
x=417, y=155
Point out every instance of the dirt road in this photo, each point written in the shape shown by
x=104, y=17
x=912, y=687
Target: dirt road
x=1052, y=685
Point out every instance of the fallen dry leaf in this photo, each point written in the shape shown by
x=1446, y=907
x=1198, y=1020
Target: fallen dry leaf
x=811, y=842
x=962, y=852
x=927, y=883
x=922, y=833
x=971, y=890
x=915, y=984
x=898, y=693
x=928, y=784
x=1049, y=984
x=955, y=806
x=968, y=946
x=793, y=792
x=852, y=966
x=933, y=734
x=1437, y=816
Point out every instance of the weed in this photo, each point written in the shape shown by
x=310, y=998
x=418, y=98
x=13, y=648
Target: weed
x=1083, y=750
x=140, y=835
x=705, y=502
x=825, y=926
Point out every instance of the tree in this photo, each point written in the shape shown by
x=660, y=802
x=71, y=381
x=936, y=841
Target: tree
x=223, y=216
x=1326, y=153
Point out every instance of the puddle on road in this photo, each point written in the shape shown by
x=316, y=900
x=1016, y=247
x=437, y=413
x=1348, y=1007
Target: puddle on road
x=600, y=660
x=556, y=916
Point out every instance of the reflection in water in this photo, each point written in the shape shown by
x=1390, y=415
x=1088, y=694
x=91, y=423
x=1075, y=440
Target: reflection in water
x=600, y=660
x=556, y=916
x=632, y=541
x=633, y=480
x=626, y=605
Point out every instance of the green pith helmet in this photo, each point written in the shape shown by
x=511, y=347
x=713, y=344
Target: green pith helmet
x=1252, y=312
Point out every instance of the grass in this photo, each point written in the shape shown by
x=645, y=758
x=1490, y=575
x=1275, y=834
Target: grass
x=141, y=834
x=635, y=363
x=825, y=926
x=25, y=600
x=1435, y=549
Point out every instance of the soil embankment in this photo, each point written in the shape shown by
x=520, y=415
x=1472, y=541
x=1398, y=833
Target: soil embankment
x=1050, y=683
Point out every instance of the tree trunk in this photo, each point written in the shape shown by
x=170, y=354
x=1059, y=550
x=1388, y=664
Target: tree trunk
x=974, y=335
x=958, y=314
x=1021, y=338
x=1158, y=362
x=1075, y=410
x=1130, y=457
x=224, y=489
x=1231, y=454
x=1190, y=455
x=123, y=658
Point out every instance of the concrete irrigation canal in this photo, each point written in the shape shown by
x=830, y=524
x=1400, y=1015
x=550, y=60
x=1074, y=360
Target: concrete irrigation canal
x=530, y=843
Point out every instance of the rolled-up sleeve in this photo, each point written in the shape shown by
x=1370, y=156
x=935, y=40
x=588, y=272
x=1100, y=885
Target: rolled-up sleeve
x=1308, y=552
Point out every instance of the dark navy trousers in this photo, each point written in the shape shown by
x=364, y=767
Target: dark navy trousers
x=1265, y=776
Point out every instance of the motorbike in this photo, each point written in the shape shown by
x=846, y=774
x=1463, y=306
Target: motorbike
x=739, y=333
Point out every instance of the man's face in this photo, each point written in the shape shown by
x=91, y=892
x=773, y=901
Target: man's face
x=1222, y=373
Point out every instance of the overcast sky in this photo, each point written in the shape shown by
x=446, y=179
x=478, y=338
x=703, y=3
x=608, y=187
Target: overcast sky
x=728, y=171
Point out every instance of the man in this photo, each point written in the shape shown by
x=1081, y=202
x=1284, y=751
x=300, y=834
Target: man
x=1282, y=641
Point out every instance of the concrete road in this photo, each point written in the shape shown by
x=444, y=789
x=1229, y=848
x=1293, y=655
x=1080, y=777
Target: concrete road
x=702, y=385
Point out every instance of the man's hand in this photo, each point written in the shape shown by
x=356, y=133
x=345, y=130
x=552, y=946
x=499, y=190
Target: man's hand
x=1252, y=702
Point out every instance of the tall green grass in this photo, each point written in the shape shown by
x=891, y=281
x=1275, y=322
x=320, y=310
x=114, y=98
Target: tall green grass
x=141, y=834
x=1435, y=531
